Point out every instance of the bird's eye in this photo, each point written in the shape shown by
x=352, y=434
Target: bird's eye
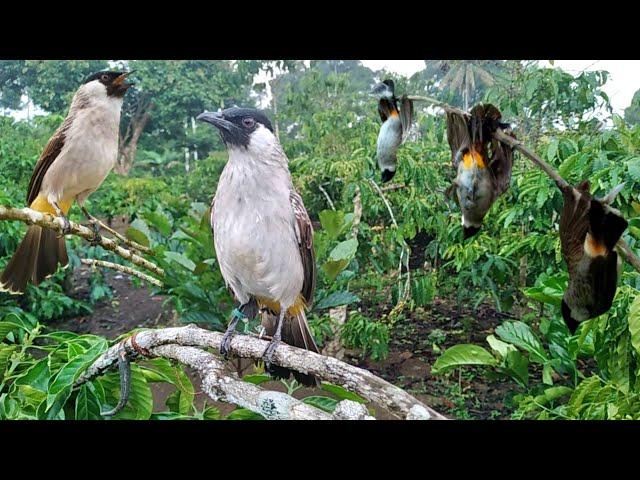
x=105, y=78
x=248, y=122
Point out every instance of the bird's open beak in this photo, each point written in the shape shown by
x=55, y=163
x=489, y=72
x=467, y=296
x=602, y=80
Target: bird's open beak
x=119, y=82
x=216, y=119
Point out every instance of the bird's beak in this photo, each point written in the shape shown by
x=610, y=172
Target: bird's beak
x=119, y=82
x=216, y=119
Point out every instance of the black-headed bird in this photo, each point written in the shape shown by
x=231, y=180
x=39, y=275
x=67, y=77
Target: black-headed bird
x=589, y=231
x=263, y=236
x=396, y=124
x=74, y=163
x=483, y=164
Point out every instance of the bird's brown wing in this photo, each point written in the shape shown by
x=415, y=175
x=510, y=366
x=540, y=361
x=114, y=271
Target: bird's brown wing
x=574, y=223
x=304, y=233
x=501, y=163
x=48, y=156
x=457, y=135
x=406, y=116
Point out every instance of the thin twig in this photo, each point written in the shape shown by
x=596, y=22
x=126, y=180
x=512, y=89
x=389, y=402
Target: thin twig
x=333, y=207
x=121, y=268
x=124, y=239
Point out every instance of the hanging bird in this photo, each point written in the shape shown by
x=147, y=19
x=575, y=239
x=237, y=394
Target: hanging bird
x=483, y=164
x=74, y=163
x=589, y=231
x=263, y=235
x=396, y=124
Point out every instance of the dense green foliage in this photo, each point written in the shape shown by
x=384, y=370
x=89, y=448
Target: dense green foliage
x=328, y=126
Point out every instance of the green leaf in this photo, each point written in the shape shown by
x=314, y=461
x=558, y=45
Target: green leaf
x=211, y=413
x=140, y=404
x=518, y=366
x=634, y=323
x=160, y=221
x=244, y=414
x=181, y=259
x=344, y=250
x=87, y=404
x=5, y=353
x=342, y=393
x=333, y=268
x=5, y=328
x=500, y=347
x=256, y=379
x=332, y=221
x=323, y=403
x=337, y=299
x=520, y=334
x=137, y=236
x=70, y=372
x=547, y=370
x=459, y=355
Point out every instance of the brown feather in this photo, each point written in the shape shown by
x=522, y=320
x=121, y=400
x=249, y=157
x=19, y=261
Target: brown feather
x=574, y=224
x=48, y=156
x=304, y=232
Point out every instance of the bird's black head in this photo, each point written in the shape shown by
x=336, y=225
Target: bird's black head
x=468, y=232
x=114, y=82
x=237, y=124
x=386, y=88
x=572, y=324
x=387, y=175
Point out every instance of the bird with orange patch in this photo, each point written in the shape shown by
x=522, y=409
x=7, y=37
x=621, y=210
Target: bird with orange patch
x=589, y=231
x=74, y=163
x=483, y=164
x=396, y=124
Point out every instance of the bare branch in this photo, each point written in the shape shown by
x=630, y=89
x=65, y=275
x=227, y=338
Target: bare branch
x=355, y=379
x=329, y=201
x=125, y=240
x=121, y=268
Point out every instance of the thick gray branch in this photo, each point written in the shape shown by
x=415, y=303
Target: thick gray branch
x=362, y=382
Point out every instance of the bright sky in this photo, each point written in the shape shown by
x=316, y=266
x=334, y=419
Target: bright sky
x=624, y=79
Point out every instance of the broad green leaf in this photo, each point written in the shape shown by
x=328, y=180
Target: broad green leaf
x=323, y=403
x=140, y=404
x=464, y=354
x=332, y=221
x=342, y=393
x=333, y=268
x=634, y=323
x=244, y=414
x=500, y=347
x=160, y=221
x=87, y=404
x=5, y=353
x=137, y=236
x=256, y=379
x=180, y=259
x=520, y=334
x=518, y=366
x=70, y=372
x=337, y=299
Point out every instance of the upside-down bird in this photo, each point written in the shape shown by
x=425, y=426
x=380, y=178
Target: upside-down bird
x=589, y=231
x=74, y=163
x=263, y=236
x=396, y=124
x=483, y=164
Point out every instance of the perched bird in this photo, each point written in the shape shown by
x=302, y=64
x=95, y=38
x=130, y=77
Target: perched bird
x=396, y=124
x=589, y=231
x=74, y=163
x=262, y=234
x=483, y=164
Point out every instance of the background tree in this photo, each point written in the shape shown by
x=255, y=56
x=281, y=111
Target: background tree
x=632, y=112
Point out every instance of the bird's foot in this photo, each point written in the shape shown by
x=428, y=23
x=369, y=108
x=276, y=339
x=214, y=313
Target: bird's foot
x=97, y=238
x=66, y=227
x=269, y=353
x=225, y=345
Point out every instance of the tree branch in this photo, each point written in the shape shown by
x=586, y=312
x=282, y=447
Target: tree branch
x=32, y=217
x=121, y=268
x=360, y=381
